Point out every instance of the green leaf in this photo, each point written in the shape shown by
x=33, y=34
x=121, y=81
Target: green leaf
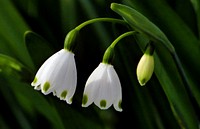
x=9, y=65
x=91, y=12
x=196, y=6
x=141, y=24
x=183, y=39
x=7, y=61
x=37, y=46
x=29, y=99
x=15, y=110
x=11, y=33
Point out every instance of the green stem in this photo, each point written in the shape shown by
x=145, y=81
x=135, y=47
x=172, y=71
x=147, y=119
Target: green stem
x=121, y=37
x=71, y=36
x=108, y=55
x=150, y=49
x=100, y=20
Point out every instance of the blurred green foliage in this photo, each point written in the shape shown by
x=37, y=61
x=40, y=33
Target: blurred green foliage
x=32, y=30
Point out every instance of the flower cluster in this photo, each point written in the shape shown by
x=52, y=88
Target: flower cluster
x=58, y=75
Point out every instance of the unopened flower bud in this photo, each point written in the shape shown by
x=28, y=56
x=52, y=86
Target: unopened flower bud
x=145, y=66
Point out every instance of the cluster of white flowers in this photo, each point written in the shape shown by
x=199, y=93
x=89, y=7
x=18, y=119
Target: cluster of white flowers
x=58, y=75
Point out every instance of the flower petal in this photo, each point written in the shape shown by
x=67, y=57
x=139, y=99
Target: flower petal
x=51, y=73
x=92, y=84
x=116, y=89
x=105, y=98
x=43, y=70
x=67, y=83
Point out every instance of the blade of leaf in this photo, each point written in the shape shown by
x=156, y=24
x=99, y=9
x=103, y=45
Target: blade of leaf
x=37, y=46
x=10, y=66
x=6, y=61
x=69, y=9
x=142, y=24
x=12, y=29
x=196, y=5
x=183, y=39
x=99, y=29
x=15, y=108
x=36, y=101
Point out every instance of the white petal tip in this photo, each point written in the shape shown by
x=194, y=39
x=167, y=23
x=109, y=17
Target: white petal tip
x=118, y=106
x=69, y=101
x=83, y=105
x=34, y=82
x=119, y=109
x=37, y=87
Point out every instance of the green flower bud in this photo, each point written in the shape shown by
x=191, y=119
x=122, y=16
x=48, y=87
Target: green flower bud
x=70, y=42
x=145, y=66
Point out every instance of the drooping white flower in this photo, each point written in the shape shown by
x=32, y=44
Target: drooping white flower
x=103, y=88
x=58, y=75
x=145, y=69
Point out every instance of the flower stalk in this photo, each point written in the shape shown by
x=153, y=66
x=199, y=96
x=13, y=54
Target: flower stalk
x=109, y=53
x=113, y=20
x=70, y=40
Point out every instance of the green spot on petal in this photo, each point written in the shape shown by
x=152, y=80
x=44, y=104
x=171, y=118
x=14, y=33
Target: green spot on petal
x=120, y=104
x=103, y=103
x=85, y=99
x=35, y=80
x=63, y=94
x=71, y=99
x=46, y=86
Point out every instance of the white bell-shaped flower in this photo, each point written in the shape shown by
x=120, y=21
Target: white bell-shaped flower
x=103, y=88
x=58, y=75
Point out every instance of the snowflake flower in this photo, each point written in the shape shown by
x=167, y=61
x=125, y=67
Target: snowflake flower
x=58, y=75
x=103, y=88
